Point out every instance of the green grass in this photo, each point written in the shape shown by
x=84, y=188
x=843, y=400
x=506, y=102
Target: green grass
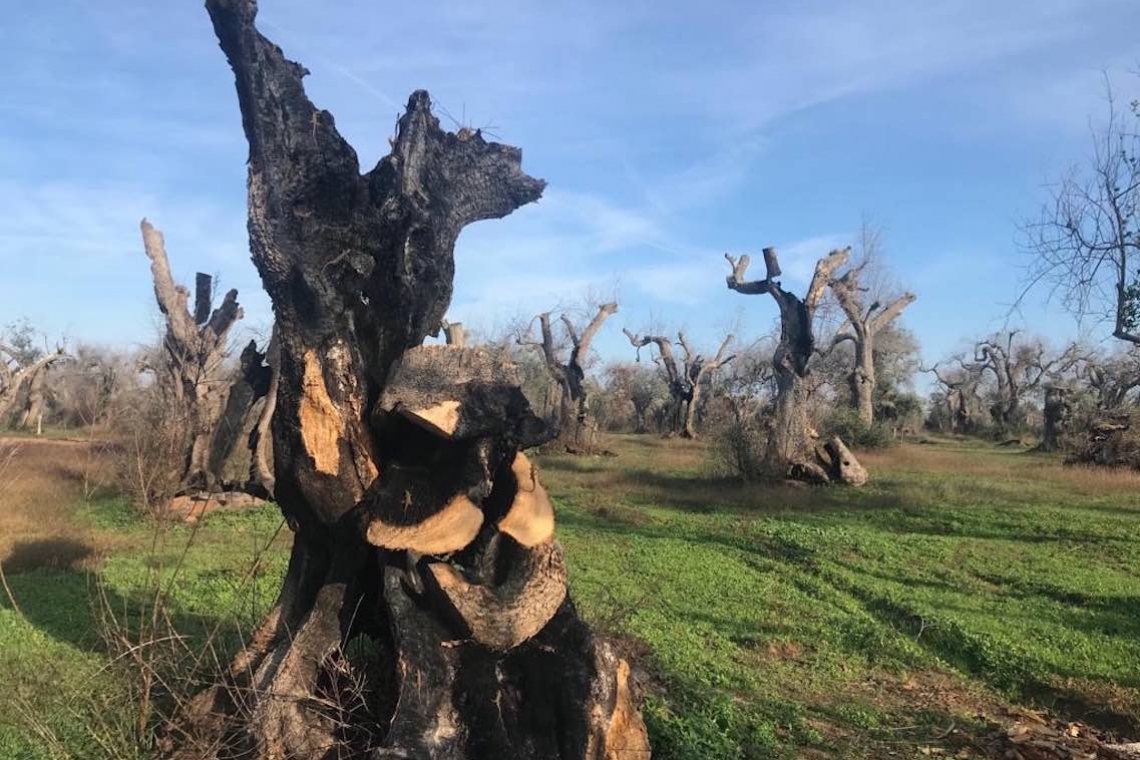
x=766, y=621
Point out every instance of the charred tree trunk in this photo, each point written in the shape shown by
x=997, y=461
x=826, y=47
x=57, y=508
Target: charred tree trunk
x=261, y=479
x=791, y=450
x=190, y=369
x=421, y=530
x=239, y=418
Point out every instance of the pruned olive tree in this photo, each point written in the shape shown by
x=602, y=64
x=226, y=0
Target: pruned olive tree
x=569, y=374
x=864, y=323
x=190, y=365
x=23, y=376
x=686, y=376
x=791, y=450
x=1018, y=367
x=958, y=396
x=1113, y=378
x=421, y=533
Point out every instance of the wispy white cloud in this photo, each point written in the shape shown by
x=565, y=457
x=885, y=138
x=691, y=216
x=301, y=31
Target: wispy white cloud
x=76, y=255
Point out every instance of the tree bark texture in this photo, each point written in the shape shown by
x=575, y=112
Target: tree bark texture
x=791, y=450
x=422, y=534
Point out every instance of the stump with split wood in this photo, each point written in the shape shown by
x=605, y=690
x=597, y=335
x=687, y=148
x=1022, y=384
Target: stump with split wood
x=424, y=612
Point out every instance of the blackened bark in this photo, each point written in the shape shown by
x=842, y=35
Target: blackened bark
x=396, y=465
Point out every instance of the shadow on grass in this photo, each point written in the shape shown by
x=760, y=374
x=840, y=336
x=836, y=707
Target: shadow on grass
x=1019, y=672
x=57, y=593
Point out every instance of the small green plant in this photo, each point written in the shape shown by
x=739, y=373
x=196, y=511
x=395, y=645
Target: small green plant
x=845, y=423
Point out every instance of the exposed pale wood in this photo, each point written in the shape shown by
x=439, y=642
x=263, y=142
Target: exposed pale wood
x=504, y=616
x=449, y=530
x=359, y=269
x=530, y=518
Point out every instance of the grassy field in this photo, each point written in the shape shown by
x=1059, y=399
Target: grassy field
x=899, y=620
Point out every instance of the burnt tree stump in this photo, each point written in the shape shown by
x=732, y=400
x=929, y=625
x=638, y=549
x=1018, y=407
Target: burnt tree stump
x=422, y=535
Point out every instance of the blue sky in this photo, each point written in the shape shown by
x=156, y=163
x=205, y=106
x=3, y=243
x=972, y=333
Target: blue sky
x=669, y=133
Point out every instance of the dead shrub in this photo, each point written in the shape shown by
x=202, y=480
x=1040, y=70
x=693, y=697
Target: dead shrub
x=153, y=437
x=1104, y=439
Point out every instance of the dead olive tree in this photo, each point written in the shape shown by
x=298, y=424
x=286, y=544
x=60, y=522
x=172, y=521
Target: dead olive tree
x=454, y=333
x=1112, y=378
x=569, y=374
x=422, y=534
x=686, y=378
x=863, y=324
x=190, y=365
x=791, y=449
x=23, y=375
x=960, y=394
x=1086, y=242
x=1019, y=368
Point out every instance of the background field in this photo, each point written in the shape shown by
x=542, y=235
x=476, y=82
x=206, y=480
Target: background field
x=965, y=583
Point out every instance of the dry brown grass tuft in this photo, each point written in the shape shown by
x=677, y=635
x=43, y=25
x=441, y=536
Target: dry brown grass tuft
x=988, y=464
x=40, y=483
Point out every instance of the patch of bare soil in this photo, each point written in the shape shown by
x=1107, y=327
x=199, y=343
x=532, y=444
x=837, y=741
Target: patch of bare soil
x=41, y=481
x=939, y=714
x=1030, y=735
x=192, y=507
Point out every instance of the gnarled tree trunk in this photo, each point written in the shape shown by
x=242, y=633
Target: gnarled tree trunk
x=570, y=374
x=864, y=324
x=191, y=367
x=791, y=450
x=20, y=382
x=1057, y=412
x=685, y=379
x=421, y=530
x=32, y=416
